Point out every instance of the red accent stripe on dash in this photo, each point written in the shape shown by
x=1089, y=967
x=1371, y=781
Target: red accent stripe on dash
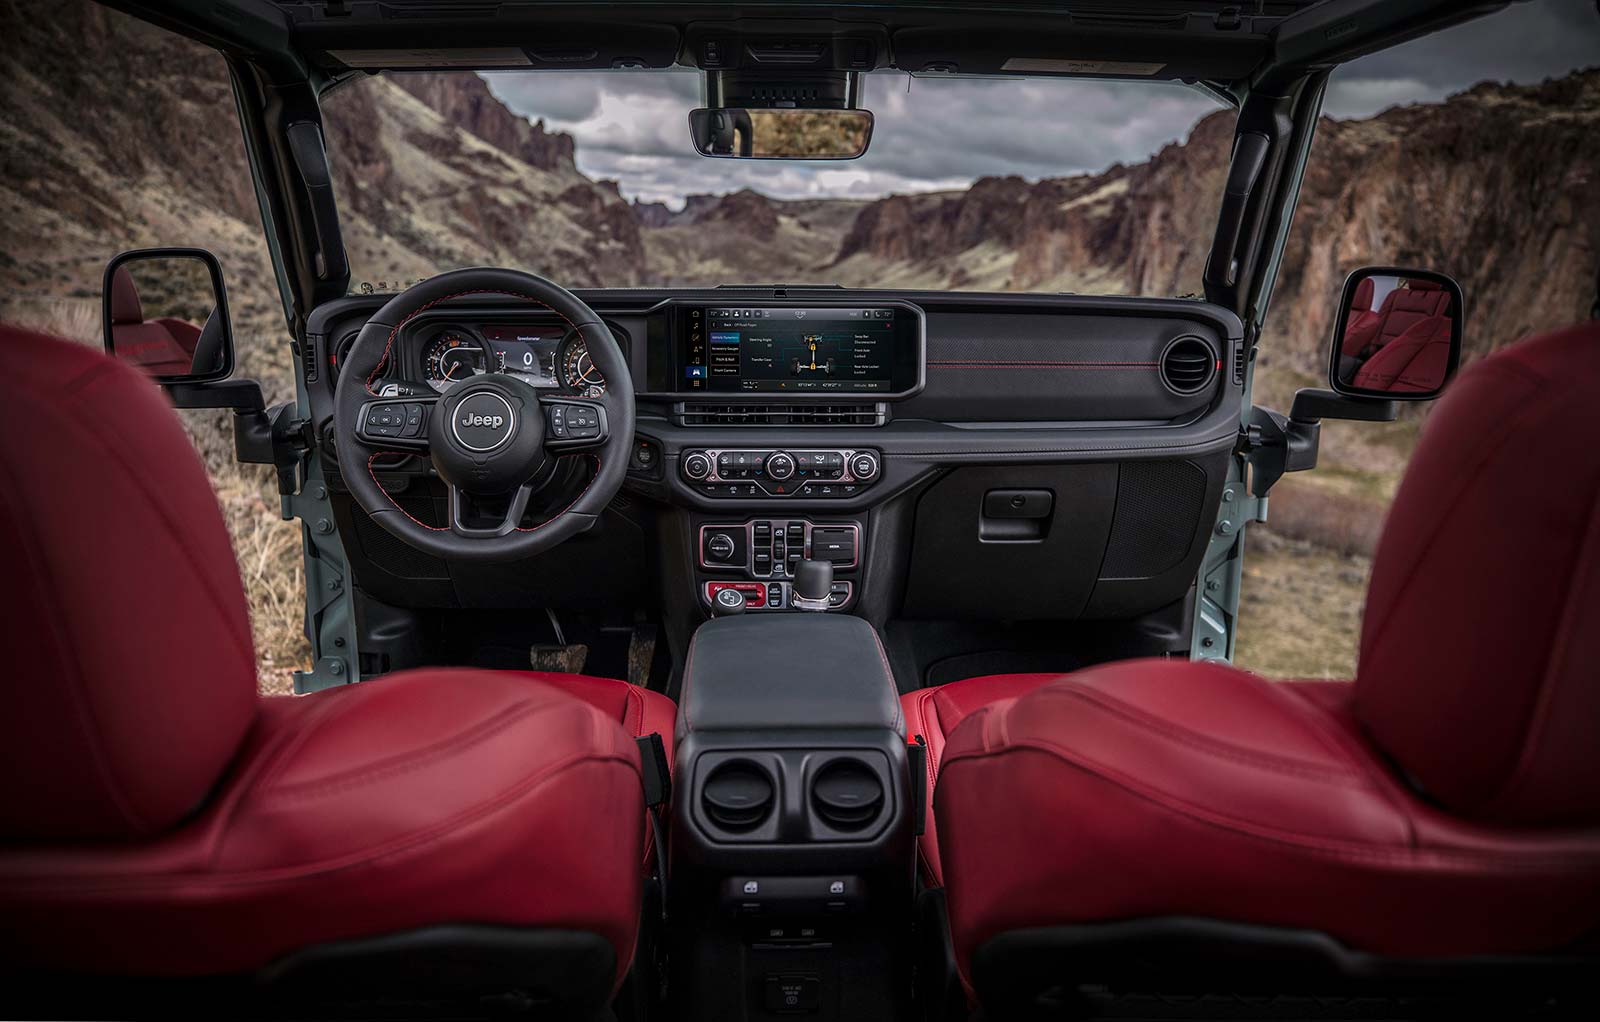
x=1042, y=365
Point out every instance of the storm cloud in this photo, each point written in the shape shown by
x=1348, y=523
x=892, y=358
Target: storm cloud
x=934, y=134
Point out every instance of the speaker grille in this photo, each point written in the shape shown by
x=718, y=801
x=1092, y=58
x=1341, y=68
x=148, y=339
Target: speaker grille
x=1188, y=365
x=1158, y=509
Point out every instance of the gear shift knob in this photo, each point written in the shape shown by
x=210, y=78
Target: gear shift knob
x=812, y=582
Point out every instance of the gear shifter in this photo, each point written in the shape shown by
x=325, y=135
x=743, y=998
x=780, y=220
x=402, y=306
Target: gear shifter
x=813, y=581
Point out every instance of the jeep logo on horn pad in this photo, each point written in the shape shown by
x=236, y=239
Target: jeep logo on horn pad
x=483, y=422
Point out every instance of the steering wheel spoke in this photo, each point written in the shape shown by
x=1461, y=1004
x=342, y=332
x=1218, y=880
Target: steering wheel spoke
x=462, y=504
x=397, y=423
x=575, y=424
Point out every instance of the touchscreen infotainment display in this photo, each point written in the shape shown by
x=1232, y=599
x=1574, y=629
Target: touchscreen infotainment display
x=793, y=349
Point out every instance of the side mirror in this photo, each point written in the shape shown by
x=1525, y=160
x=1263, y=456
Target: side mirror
x=780, y=134
x=166, y=313
x=1398, y=334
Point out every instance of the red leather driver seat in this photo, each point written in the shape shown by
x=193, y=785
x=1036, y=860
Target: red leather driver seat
x=1444, y=806
x=162, y=821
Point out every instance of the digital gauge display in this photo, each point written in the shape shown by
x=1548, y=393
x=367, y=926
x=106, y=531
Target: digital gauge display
x=538, y=355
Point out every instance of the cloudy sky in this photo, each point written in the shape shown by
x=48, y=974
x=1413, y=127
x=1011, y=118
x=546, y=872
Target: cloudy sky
x=934, y=134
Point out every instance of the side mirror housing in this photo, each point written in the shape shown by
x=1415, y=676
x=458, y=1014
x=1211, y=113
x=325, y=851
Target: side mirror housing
x=165, y=312
x=1398, y=334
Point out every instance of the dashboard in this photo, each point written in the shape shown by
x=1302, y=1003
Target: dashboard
x=962, y=456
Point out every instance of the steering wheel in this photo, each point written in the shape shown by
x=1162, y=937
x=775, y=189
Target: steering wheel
x=494, y=440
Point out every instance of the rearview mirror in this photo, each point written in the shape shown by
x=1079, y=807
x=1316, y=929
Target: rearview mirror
x=1398, y=334
x=166, y=313
x=783, y=134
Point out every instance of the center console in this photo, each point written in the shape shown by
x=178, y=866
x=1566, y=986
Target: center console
x=793, y=822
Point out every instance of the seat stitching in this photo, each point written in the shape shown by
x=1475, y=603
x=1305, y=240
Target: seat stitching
x=1201, y=742
x=408, y=762
x=414, y=842
x=1345, y=850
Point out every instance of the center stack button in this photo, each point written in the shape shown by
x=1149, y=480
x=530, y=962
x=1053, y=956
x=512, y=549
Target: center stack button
x=780, y=465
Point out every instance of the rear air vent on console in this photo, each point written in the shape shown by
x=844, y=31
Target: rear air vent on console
x=782, y=415
x=847, y=795
x=737, y=796
x=1188, y=365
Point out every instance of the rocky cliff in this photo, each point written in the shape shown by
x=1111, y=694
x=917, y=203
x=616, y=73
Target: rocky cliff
x=1496, y=185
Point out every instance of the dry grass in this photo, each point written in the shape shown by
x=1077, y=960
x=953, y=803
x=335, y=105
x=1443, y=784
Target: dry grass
x=1300, y=613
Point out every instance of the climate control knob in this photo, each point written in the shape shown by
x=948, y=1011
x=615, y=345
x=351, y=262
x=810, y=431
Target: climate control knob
x=697, y=466
x=864, y=466
x=780, y=466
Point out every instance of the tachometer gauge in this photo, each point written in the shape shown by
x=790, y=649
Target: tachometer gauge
x=578, y=370
x=452, y=356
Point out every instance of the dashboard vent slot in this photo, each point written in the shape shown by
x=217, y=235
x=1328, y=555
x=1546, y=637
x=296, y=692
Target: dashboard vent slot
x=308, y=358
x=1188, y=365
x=782, y=415
x=1239, y=362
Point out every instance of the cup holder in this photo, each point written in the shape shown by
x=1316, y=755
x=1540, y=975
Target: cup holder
x=738, y=795
x=847, y=795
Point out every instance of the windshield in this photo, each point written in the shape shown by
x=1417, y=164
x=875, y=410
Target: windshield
x=1101, y=187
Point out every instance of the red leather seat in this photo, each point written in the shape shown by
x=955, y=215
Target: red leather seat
x=931, y=714
x=1414, y=362
x=1401, y=309
x=1445, y=803
x=164, y=821
x=161, y=347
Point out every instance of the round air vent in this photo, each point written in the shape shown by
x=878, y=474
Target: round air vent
x=847, y=795
x=737, y=796
x=1188, y=365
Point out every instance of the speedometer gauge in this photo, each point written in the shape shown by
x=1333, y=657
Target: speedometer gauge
x=578, y=370
x=452, y=356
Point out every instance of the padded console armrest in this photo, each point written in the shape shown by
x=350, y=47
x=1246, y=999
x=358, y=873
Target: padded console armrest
x=787, y=671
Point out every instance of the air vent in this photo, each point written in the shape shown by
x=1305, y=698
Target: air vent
x=308, y=358
x=737, y=796
x=847, y=795
x=1188, y=365
x=782, y=415
x=1239, y=362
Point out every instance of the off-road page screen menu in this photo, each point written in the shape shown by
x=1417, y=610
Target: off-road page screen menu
x=790, y=350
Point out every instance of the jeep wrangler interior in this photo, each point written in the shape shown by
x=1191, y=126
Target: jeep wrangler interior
x=697, y=644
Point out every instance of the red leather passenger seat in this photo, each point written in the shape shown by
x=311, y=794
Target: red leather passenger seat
x=1402, y=309
x=162, y=820
x=161, y=347
x=1446, y=803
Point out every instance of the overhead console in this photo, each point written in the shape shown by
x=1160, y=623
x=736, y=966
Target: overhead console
x=790, y=350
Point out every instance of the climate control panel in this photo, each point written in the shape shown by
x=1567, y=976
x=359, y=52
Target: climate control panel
x=768, y=472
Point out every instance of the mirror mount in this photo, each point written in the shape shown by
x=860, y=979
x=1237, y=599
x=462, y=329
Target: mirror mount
x=1278, y=443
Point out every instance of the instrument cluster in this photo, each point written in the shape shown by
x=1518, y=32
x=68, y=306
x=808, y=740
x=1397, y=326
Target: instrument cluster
x=541, y=355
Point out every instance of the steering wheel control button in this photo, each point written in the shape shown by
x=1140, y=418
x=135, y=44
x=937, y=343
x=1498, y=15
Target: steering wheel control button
x=416, y=419
x=574, y=422
x=483, y=422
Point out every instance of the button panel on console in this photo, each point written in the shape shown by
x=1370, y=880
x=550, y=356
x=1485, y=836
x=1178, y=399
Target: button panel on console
x=765, y=472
